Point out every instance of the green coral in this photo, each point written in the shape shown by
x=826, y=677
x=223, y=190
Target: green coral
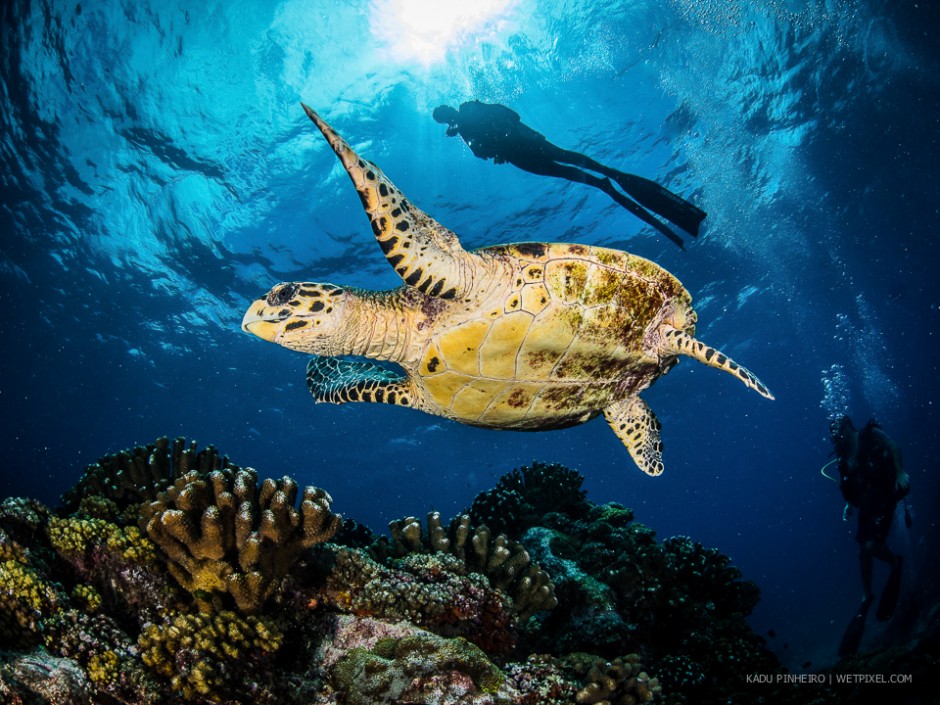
x=404, y=670
x=203, y=655
x=224, y=534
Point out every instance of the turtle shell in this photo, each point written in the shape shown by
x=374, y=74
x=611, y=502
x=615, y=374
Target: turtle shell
x=567, y=331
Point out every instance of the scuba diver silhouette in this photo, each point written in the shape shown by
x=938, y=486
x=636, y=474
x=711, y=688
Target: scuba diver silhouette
x=871, y=478
x=495, y=132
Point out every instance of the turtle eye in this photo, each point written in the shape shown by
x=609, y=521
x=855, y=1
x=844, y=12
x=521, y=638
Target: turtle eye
x=282, y=293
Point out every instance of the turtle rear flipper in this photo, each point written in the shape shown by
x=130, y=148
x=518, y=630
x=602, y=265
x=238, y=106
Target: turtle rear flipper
x=637, y=426
x=425, y=254
x=337, y=381
x=684, y=344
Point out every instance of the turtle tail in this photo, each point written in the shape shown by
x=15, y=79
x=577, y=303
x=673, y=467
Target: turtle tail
x=684, y=344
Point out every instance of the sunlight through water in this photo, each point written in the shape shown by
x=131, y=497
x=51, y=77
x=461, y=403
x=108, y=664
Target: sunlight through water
x=423, y=31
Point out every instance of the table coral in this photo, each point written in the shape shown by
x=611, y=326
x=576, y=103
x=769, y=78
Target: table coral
x=224, y=534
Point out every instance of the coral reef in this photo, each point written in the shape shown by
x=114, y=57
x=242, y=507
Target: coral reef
x=432, y=591
x=505, y=563
x=521, y=497
x=208, y=655
x=203, y=586
x=120, y=481
x=224, y=534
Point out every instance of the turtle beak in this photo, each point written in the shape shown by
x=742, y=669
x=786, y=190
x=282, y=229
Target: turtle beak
x=255, y=323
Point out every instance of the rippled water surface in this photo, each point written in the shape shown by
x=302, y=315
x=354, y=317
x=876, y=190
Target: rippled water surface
x=158, y=174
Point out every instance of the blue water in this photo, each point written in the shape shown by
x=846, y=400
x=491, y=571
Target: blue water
x=158, y=174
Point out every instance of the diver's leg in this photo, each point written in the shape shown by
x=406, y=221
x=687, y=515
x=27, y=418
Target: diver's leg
x=550, y=168
x=865, y=565
x=657, y=198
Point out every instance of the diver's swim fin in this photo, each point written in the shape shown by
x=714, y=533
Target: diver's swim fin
x=662, y=201
x=852, y=637
x=889, y=598
x=641, y=213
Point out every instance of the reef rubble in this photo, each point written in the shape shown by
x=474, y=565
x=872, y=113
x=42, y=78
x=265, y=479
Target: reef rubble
x=170, y=574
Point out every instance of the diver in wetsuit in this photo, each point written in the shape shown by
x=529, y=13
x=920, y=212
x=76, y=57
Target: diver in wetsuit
x=495, y=132
x=872, y=479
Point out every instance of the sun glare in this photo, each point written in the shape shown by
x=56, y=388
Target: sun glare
x=425, y=30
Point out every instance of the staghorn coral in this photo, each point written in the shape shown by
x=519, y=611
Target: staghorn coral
x=208, y=656
x=223, y=534
x=505, y=563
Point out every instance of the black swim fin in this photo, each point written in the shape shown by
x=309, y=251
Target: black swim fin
x=642, y=214
x=889, y=598
x=662, y=201
x=852, y=637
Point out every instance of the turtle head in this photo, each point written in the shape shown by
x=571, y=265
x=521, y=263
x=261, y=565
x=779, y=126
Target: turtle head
x=301, y=316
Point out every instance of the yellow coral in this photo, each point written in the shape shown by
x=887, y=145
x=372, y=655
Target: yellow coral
x=104, y=668
x=26, y=597
x=220, y=637
x=72, y=537
x=87, y=597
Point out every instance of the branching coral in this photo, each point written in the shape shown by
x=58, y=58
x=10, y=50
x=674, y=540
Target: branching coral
x=223, y=534
x=523, y=496
x=621, y=681
x=120, y=481
x=504, y=562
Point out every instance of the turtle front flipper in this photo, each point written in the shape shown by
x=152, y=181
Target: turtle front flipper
x=337, y=381
x=425, y=254
x=682, y=343
x=638, y=428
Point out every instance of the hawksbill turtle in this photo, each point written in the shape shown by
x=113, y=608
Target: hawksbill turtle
x=525, y=336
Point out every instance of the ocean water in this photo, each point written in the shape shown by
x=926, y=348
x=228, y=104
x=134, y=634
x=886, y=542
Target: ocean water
x=158, y=174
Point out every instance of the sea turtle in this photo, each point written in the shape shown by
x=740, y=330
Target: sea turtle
x=526, y=336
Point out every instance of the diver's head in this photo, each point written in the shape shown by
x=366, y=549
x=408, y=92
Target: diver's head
x=445, y=115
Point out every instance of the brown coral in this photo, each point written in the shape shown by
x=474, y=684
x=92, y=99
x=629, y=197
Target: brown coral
x=222, y=533
x=129, y=477
x=619, y=682
x=504, y=562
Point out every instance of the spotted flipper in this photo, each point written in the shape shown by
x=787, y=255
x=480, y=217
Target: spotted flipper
x=337, y=381
x=638, y=428
x=425, y=254
x=684, y=344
